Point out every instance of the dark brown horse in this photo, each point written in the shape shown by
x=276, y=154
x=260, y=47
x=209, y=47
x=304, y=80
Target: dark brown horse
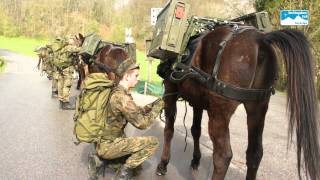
x=106, y=60
x=81, y=68
x=248, y=61
x=42, y=53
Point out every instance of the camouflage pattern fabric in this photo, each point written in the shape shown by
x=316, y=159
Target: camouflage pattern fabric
x=139, y=149
x=54, y=49
x=125, y=66
x=122, y=110
x=47, y=66
x=55, y=76
x=45, y=56
x=64, y=63
x=65, y=79
x=63, y=58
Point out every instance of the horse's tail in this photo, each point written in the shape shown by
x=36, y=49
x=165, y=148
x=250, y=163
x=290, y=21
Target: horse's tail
x=302, y=103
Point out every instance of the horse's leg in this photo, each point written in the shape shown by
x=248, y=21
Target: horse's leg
x=81, y=72
x=219, y=118
x=196, y=133
x=170, y=113
x=256, y=112
x=79, y=80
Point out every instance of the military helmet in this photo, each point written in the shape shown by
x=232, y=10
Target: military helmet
x=125, y=66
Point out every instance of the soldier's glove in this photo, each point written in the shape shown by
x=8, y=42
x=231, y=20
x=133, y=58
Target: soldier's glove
x=158, y=105
x=148, y=107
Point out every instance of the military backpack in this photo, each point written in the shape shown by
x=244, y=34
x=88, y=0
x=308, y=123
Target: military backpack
x=90, y=112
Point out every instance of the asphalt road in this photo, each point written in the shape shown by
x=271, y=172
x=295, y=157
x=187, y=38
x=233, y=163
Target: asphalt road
x=37, y=137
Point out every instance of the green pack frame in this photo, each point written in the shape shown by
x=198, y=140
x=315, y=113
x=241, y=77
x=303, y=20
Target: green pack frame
x=172, y=31
x=93, y=43
x=169, y=30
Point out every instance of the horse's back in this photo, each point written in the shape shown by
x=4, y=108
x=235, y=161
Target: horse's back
x=245, y=61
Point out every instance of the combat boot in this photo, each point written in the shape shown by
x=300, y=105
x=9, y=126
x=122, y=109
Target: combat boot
x=94, y=164
x=61, y=104
x=68, y=106
x=54, y=94
x=137, y=170
x=125, y=173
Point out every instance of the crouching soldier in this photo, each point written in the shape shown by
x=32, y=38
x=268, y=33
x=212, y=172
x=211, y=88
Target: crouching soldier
x=122, y=110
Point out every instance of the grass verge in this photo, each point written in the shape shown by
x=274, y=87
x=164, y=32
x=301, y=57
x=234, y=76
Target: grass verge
x=2, y=64
x=21, y=45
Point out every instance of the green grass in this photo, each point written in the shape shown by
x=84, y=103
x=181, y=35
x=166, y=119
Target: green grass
x=141, y=59
x=2, y=64
x=21, y=45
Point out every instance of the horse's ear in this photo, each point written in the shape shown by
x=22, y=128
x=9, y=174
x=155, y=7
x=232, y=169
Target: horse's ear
x=81, y=36
x=104, y=51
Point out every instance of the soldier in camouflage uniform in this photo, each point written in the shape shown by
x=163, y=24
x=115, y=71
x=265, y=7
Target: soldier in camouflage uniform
x=65, y=65
x=55, y=48
x=47, y=64
x=122, y=110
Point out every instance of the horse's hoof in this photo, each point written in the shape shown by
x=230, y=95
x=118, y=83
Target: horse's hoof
x=161, y=170
x=195, y=164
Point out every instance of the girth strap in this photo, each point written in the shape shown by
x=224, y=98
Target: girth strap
x=240, y=94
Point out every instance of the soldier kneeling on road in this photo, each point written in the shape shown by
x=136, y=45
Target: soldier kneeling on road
x=109, y=138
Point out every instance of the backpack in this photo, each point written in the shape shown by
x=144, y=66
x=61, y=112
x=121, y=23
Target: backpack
x=90, y=112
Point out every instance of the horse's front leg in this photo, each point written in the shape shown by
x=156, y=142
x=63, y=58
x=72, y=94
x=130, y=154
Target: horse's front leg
x=170, y=114
x=196, y=133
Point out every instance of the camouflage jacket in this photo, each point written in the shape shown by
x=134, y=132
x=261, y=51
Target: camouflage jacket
x=64, y=57
x=122, y=109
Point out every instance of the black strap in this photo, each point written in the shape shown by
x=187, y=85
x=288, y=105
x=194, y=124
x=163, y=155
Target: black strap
x=222, y=45
x=238, y=93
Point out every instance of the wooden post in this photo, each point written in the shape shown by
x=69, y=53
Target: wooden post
x=149, y=59
x=149, y=75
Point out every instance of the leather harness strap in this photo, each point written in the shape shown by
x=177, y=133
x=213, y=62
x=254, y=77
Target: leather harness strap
x=222, y=45
x=219, y=86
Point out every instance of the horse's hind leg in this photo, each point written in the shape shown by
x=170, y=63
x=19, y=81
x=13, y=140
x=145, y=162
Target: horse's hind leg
x=256, y=112
x=196, y=133
x=219, y=118
x=170, y=114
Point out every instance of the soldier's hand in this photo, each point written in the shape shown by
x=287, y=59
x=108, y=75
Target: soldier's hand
x=158, y=104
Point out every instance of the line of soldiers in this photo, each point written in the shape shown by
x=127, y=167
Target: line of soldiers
x=59, y=61
x=113, y=148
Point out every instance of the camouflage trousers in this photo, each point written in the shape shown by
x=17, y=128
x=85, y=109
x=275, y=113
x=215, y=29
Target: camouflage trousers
x=64, y=83
x=138, y=148
x=55, y=76
x=47, y=68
